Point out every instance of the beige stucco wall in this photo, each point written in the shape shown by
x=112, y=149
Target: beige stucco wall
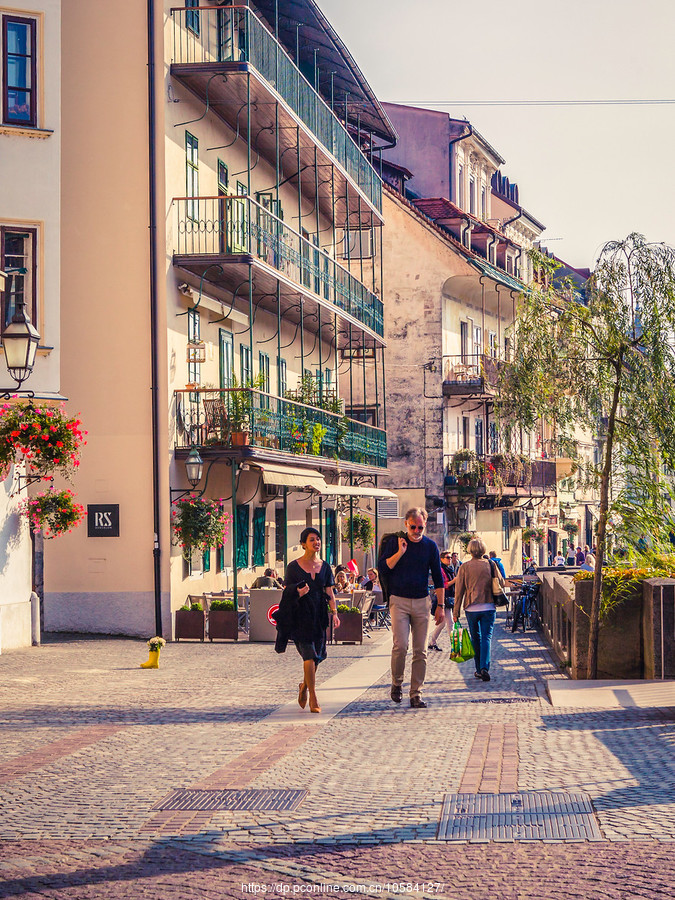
x=106, y=584
x=30, y=197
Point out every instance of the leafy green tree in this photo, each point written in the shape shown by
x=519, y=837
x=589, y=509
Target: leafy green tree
x=605, y=363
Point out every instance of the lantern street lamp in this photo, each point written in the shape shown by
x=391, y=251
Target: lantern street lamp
x=20, y=339
x=194, y=467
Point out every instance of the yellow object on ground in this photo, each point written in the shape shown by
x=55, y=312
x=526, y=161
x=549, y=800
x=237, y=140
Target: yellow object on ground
x=153, y=661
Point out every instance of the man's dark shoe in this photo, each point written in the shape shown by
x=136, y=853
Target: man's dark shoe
x=434, y=647
x=478, y=675
x=485, y=675
x=396, y=693
x=417, y=703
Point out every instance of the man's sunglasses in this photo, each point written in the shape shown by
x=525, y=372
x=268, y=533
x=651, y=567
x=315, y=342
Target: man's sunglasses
x=416, y=527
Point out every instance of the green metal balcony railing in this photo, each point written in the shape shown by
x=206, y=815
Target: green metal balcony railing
x=225, y=226
x=236, y=34
x=236, y=417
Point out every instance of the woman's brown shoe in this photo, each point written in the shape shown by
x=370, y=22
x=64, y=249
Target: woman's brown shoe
x=302, y=695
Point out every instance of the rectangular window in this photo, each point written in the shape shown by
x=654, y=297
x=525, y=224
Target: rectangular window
x=472, y=195
x=483, y=203
x=226, y=358
x=327, y=382
x=192, y=174
x=245, y=363
x=479, y=437
x=460, y=186
x=18, y=257
x=358, y=244
x=506, y=530
x=465, y=432
x=493, y=438
x=192, y=16
x=282, y=374
x=194, y=335
x=264, y=369
x=492, y=344
x=19, y=71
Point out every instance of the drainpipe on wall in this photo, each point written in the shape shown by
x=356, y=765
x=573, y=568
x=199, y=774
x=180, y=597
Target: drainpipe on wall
x=456, y=140
x=154, y=350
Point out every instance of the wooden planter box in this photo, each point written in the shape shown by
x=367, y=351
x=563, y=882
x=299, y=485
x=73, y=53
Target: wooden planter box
x=223, y=625
x=350, y=630
x=190, y=624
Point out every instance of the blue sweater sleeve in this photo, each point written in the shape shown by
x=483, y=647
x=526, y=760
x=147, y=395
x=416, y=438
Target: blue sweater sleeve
x=435, y=566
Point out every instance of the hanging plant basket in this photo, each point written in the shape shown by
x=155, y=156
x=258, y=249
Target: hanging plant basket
x=571, y=528
x=361, y=529
x=199, y=524
x=42, y=437
x=534, y=534
x=52, y=512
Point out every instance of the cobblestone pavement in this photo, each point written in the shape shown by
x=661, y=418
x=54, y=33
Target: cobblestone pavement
x=90, y=743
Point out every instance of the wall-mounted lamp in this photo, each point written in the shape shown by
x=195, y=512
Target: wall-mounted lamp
x=194, y=468
x=20, y=339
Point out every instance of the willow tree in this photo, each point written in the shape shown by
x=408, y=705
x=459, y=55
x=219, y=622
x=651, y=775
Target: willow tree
x=604, y=362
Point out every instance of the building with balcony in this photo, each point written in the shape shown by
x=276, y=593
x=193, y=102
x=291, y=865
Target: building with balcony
x=30, y=131
x=225, y=220
x=456, y=263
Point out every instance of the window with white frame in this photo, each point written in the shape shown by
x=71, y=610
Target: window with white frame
x=460, y=186
x=194, y=336
x=492, y=344
x=192, y=174
x=472, y=195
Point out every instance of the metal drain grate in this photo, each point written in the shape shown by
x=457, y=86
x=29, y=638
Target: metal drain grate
x=272, y=800
x=526, y=816
x=504, y=700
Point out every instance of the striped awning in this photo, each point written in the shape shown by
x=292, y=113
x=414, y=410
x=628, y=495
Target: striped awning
x=290, y=477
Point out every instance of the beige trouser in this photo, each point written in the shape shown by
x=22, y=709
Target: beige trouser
x=406, y=614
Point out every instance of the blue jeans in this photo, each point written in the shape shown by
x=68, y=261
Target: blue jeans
x=480, y=629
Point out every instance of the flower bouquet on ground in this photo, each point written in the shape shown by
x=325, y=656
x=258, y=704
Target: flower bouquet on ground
x=44, y=438
x=199, y=524
x=52, y=512
x=156, y=643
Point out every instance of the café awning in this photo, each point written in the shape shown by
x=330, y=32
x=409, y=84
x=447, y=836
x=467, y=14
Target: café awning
x=362, y=490
x=289, y=477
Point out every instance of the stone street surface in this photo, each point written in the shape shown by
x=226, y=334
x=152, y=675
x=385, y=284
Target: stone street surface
x=90, y=746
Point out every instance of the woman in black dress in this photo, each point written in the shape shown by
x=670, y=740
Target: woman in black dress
x=313, y=579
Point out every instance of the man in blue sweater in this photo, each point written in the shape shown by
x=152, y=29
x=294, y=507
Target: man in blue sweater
x=404, y=567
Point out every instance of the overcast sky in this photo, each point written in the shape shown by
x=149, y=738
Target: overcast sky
x=589, y=173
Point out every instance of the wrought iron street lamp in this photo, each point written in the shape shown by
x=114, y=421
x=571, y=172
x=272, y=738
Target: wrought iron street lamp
x=194, y=467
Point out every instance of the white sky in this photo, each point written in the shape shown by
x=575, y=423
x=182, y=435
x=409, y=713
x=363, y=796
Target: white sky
x=590, y=174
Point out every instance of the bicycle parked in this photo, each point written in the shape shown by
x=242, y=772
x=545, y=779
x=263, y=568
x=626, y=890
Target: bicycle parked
x=526, y=606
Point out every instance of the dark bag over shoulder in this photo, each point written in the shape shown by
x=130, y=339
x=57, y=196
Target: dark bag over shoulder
x=498, y=584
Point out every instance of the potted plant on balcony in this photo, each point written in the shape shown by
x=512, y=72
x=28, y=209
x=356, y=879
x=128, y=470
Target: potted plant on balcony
x=239, y=409
x=190, y=622
x=463, y=461
x=350, y=630
x=223, y=621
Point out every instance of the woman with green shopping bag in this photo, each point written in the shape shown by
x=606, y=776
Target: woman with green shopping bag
x=474, y=591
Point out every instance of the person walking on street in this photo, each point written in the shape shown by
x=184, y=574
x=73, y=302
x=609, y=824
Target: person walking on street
x=498, y=563
x=474, y=590
x=581, y=557
x=571, y=556
x=404, y=567
x=303, y=613
x=449, y=566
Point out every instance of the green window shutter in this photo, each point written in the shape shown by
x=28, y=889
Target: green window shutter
x=259, y=536
x=207, y=561
x=330, y=554
x=241, y=552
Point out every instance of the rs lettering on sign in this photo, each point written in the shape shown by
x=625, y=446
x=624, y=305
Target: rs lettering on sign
x=103, y=520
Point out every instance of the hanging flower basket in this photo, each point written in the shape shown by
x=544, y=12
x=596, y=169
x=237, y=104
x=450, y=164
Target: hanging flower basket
x=52, y=512
x=199, y=524
x=571, y=528
x=534, y=534
x=43, y=437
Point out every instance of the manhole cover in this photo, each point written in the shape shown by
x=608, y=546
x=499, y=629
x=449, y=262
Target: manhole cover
x=526, y=816
x=504, y=700
x=273, y=800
